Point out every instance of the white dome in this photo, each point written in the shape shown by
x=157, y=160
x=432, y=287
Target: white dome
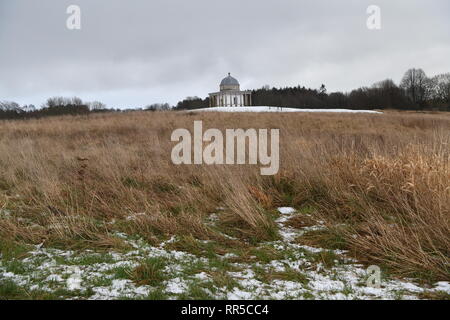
x=229, y=83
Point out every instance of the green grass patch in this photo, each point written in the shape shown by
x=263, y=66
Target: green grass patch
x=434, y=295
x=16, y=266
x=293, y=275
x=307, y=209
x=195, y=291
x=13, y=250
x=157, y=294
x=101, y=282
x=268, y=275
x=222, y=279
x=85, y=259
x=122, y=272
x=327, y=258
x=194, y=267
x=329, y=239
x=9, y=290
x=207, y=249
x=266, y=254
x=149, y=272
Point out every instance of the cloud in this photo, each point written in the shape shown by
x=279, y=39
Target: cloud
x=138, y=52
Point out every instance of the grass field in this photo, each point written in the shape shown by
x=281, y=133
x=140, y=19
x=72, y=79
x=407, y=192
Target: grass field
x=92, y=207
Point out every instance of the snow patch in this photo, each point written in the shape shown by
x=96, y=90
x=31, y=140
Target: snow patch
x=286, y=210
x=347, y=280
x=279, y=109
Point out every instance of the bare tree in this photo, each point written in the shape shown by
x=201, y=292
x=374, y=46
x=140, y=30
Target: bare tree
x=9, y=106
x=29, y=108
x=440, y=87
x=63, y=102
x=385, y=84
x=96, y=106
x=416, y=85
x=389, y=95
x=158, y=107
x=323, y=89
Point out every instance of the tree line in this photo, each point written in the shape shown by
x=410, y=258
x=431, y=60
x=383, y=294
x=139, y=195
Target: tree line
x=56, y=106
x=60, y=106
x=416, y=91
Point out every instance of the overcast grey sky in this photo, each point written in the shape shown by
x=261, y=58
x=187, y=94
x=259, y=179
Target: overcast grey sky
x=137, y=52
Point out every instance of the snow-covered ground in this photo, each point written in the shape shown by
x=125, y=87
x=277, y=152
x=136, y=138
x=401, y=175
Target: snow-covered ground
x=279, y=109
x=294, y=275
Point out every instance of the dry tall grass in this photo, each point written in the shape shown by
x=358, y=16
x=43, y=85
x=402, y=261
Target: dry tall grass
x=381, y=182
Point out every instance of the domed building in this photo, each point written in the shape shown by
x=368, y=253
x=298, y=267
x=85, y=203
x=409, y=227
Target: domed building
x=230, y=94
